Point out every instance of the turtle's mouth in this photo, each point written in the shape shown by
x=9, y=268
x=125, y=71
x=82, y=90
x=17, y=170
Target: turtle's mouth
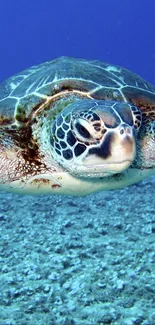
x=107, y=159
x=101, y=170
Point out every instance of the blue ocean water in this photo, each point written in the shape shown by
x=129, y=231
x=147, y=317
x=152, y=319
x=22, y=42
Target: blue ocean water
x=85, y=260
x=120, y=32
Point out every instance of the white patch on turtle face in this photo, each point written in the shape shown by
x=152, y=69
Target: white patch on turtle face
x=112, y=68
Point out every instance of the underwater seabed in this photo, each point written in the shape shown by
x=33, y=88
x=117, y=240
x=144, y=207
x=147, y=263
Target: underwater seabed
x=78, y=261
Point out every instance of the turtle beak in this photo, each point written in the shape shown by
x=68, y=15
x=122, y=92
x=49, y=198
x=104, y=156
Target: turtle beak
x=121, y=148
x=115, y=154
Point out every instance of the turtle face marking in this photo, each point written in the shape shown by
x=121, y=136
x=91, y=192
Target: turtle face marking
x=96, y=138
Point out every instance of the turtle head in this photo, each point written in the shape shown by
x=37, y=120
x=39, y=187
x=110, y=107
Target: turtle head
x=95, y=138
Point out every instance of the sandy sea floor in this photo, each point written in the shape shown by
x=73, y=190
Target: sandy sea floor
x=78, y=261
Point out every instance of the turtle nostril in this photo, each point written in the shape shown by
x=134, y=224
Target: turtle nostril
x=128, y=131
x=121, y=131
x=125, y=130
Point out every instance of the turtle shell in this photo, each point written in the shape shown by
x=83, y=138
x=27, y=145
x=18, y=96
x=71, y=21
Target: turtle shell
x=29, y=90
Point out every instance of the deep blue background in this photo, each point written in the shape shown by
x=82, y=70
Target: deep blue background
x=116, y=31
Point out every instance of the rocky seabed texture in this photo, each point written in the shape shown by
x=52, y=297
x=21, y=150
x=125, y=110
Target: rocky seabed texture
x=78, y=261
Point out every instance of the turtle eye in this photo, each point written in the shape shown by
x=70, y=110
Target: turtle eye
x=85, y=131
x=82, y=130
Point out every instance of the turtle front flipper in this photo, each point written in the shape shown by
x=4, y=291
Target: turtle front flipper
x=95, y=138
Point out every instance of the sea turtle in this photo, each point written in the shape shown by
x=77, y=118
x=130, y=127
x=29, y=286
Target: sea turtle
x=74, y=126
